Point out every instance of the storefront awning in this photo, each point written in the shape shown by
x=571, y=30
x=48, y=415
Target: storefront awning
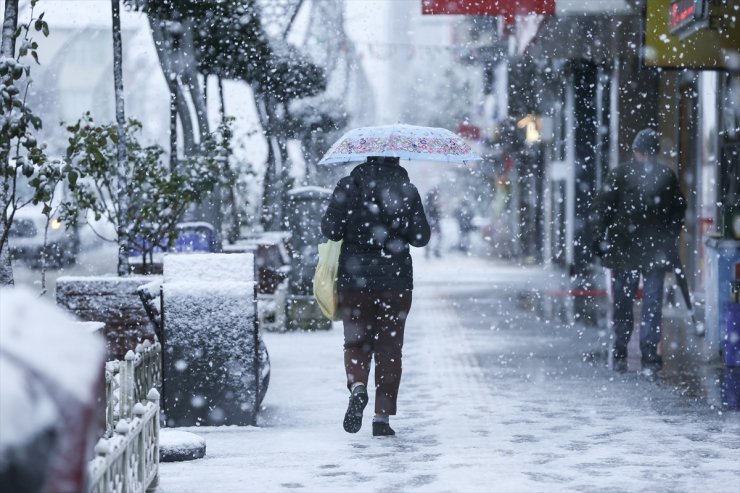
x=488, y=7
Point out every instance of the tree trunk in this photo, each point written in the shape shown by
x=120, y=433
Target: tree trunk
x=186, y=122
x=10, y=24
x=271, y=185
x=235, y=227
x=45, y=255
x=189, y=77
x=6, y=267
x=7, y=49
x=166, y=51
x=221, y=100
x=6, y=197
x=172, y=86
x=122, y=169
x=284, y=182
x=209, y=209
x=197, y=96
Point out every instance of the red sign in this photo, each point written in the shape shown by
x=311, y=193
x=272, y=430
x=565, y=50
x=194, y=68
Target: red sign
x=487, y=7
x=687, y=16
x=468, y=131
x=681, y=12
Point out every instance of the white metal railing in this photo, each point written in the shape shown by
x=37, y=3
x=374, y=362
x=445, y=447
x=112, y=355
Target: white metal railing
x=127, y=456
x=128, y=461
x=128, y=382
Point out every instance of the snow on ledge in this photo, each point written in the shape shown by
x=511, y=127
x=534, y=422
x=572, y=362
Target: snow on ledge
x=209, y=267
x=109, y=278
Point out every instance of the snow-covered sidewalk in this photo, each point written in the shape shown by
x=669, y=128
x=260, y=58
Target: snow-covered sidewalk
x=469, y=418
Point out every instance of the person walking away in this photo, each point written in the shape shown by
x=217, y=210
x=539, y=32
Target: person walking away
x=432, y=207
x=464, y=214
x=378, y=213
x=636, y=219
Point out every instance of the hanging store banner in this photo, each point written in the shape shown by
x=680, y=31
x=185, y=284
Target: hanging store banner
x=487, y=7
x=692, y=34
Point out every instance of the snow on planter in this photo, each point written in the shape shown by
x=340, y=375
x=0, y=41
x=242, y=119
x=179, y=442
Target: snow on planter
x=209, y=267
x=113, y=301
x=50, y=374
x=177, y=445
x=210, y=366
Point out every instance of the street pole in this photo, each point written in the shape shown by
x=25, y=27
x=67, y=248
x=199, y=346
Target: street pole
x=584, y=89
x=121, y=169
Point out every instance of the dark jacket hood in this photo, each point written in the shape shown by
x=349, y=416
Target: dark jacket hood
x=380, y=169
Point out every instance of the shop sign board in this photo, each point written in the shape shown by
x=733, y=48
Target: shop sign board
x=692, y=34
x=688, y=16
x=488, y=7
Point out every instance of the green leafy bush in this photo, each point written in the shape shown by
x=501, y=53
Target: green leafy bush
x=159, y=195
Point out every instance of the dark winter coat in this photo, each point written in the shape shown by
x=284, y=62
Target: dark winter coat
x=637, y=217
x=378, y=213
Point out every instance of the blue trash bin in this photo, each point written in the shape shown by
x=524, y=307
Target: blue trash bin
x=731, y=339
x=730, y=390
x=195, y=237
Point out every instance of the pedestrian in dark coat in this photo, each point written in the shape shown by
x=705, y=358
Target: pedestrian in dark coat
x=378, y=213
x=432, y=207
x=464, y=214
x=635, y=221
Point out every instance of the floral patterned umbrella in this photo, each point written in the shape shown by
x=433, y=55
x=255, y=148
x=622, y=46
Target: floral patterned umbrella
x=401, y=141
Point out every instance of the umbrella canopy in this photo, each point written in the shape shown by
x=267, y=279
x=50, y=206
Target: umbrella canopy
x=400, y=141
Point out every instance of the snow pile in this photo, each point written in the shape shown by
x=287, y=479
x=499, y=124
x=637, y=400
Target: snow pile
x=176, y=445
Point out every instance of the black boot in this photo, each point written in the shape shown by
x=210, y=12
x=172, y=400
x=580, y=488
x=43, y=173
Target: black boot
x=381, y=429
x=357, y=403
x=651, y=366
x=620, y=365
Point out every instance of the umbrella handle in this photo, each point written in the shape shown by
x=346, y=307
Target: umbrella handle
x=698, y=327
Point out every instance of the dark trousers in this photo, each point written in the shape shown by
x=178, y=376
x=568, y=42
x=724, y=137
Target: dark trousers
x=374, y=323
x=625, y=289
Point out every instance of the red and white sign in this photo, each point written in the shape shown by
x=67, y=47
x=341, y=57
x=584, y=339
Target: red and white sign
x=487, y=7
x=687, y=16
x=468, y=131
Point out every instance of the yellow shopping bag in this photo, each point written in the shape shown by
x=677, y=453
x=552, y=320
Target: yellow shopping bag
x=325, y=278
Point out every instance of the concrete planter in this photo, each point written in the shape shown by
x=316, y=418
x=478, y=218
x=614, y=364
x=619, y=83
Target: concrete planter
x=113, y=301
